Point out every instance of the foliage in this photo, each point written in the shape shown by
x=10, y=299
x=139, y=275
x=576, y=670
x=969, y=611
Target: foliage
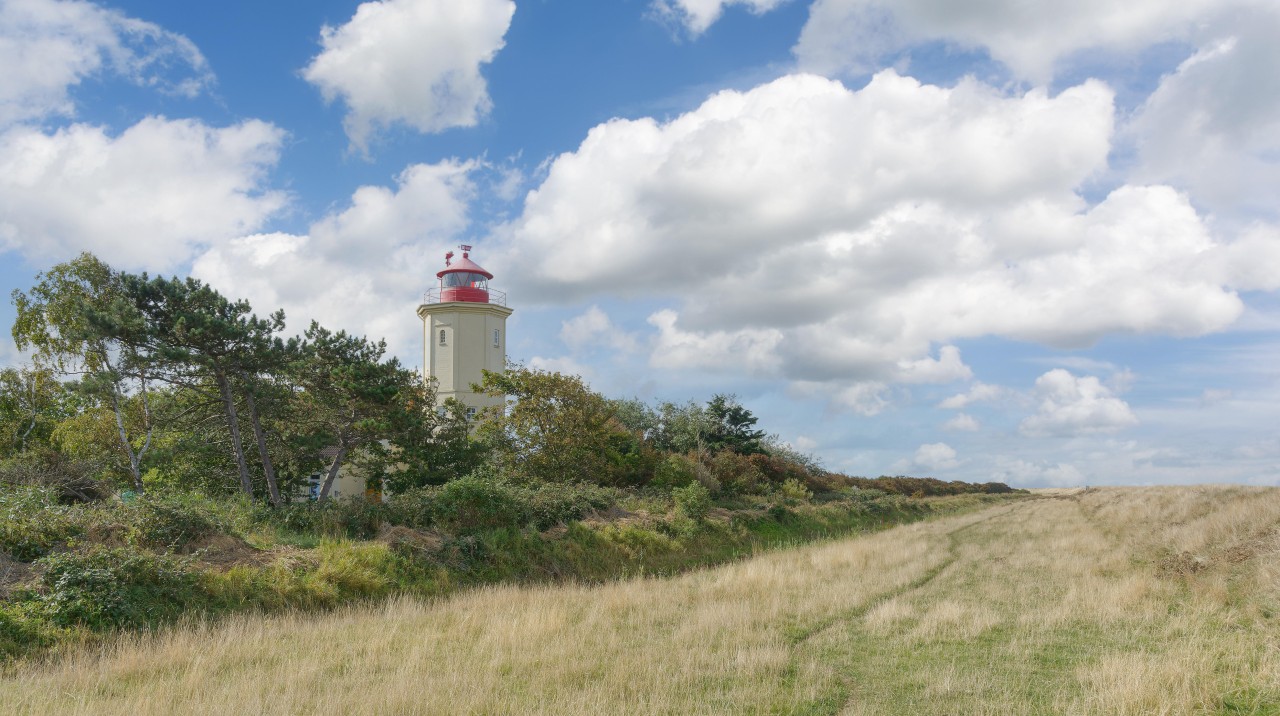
x=475, y=503
x=200, y=338
x=354, y=518
x=675, y=471
x=682, y=429
x=556, y=429
x=32, y=523
x=355, y=399
x=173, y=523
x=114, y=587
x=732, y=427
x=32, y=402
x=924, y=486
x=692, y=501
x=71, y=479
x=79, y=320
x=793, y=491
x=431, y=451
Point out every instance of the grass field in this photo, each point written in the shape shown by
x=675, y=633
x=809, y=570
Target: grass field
x=1112, y=601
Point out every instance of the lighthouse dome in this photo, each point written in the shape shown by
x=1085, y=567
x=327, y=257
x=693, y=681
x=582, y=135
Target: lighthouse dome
x=463, y=279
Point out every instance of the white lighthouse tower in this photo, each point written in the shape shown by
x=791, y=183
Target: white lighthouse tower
x=464, y=331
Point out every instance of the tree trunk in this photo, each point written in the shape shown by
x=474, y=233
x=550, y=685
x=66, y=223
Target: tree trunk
x=273, y=488
x=135, y=458
x=233, y=424
x=332, y=474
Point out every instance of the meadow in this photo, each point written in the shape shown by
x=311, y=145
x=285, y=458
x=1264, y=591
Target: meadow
x=1106, y=601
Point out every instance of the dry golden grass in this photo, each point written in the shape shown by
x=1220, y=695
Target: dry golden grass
x=1143, y=601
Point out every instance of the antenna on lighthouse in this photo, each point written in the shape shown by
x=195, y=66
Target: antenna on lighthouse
x=465, y=250
x=448, y=258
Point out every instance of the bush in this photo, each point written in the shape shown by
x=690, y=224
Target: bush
x=551, y=504
x=675, y=471
x=173, y=523
x=474, y=503
x=692, y=501
x=71, y=480
x=355, y=518
x=32, y=523
x=110, y=588
x=737, y=473
x=793, y=491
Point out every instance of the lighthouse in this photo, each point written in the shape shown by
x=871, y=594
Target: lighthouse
x=464, y=331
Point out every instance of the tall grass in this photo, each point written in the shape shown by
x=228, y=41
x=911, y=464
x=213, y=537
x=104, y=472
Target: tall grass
x=1148, y=601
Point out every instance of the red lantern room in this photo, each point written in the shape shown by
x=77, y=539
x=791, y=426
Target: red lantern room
x=464, y=280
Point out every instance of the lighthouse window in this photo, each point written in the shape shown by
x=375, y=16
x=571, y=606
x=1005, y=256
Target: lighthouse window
x=442, y=342
x=495, y=337
x=464, y=279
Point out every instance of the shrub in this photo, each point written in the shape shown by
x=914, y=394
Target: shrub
x=736, y=473
x=105, y=588
x=548, y=505
x=675, y=471
x=475, y=503
x=355, y=518
x=71, y=480
x=692, y=501
x=172, y=523
x=32, y=523
x=793, y=491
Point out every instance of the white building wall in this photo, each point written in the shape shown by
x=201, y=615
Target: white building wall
x=469, y=348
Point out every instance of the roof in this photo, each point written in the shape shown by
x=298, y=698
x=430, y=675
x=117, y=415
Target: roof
x=464, y=264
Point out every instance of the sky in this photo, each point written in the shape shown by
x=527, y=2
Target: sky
x=1016, y=240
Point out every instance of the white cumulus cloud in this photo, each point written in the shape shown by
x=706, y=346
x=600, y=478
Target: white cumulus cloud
x=1075, y=405
x=362, y=269
x=412, y=62
x=936, y=456
x=1213, y=125
x=145, y=198
x=593, y=330
x=1029, y=36
x=962, y=422
x=698, y=15
x=844, y=239
x=49, y=46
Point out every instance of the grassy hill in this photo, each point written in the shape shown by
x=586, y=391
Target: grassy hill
x=1112, y=601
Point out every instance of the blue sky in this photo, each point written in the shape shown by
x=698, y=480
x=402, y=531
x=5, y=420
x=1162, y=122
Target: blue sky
x=1034, y=242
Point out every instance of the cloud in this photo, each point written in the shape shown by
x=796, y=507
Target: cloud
x=828, y=235
x=1213, y=125
x=411, y=62
x=1031, y=38
x=962, y=422
x=593, y=330
x=1071, y=405
x=1022, y=473
x=698, y=15
x=980, y=392
x=752, y=351
x=936, y=456
x=362, y=269
x=146, y=198
x=47, y=47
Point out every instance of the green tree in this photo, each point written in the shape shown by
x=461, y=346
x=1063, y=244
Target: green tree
x=32, y=402
x=554, y=428
x=732, y=427
x=683, y=428
x=433, y=446
x=202, y=338
x=64, y=318
x=355, y=399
